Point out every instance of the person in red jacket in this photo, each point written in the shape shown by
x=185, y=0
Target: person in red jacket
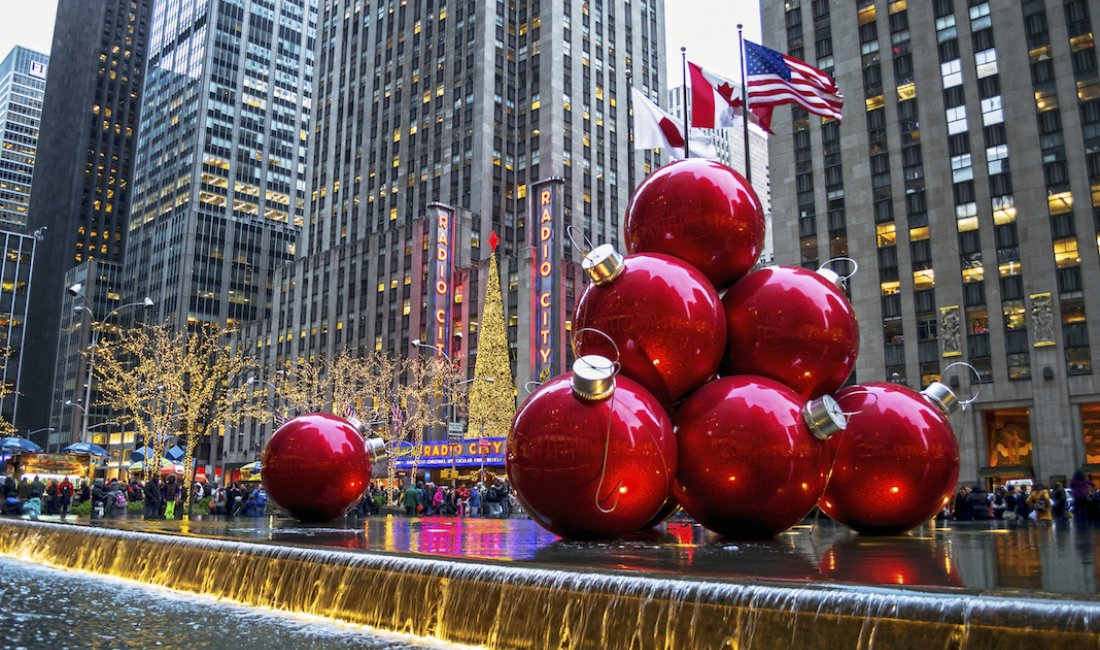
x=65, y=493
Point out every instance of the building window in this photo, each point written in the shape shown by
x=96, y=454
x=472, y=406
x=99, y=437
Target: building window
x=1090, y=430
x=1008, y=437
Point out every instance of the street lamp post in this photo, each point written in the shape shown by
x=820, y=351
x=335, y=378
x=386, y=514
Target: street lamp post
x=48, y=429
x=77, y=291
x=253, y=379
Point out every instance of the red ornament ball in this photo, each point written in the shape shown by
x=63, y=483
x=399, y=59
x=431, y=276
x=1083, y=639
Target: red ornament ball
x=665, y=318
x=557, y=449
x=895, y=465
x=701, y=212
x=793, y=325
x=316, y=467
x=748, y=466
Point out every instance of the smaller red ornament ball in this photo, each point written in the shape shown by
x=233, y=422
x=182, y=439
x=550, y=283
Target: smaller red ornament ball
x=316, y=467
x=665, y=318
x=897, y=462
x=701, y=212
x=793, y=325
x=749, y=465
x=588, y=463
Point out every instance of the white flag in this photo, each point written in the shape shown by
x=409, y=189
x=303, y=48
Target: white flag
x=656, y=129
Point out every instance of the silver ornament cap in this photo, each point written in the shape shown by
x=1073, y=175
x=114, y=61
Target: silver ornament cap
x=943, y=397
x=593, y=377
x=824, y=417
x=603, y=264
x=832, y=277
x=376, y=449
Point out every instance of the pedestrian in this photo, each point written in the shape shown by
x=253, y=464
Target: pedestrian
x=53, y=505
x=65, y=495
x=1058, y=502
x=998, y=503
x=475, y=500
x=98, y=495
x=1080, y=488
x=116, y=499
x=234, y=501
x=492, y=501
x=38, y=488
x=85, y=490
x=152, y=498
x=979, y=504
x=438, y=500
x=171, y=496
x=961, y=509
x=217, y=502
x=411, y=501
x=1039, y=501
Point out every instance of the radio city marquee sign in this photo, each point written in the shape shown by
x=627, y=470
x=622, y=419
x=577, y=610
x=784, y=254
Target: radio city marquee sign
x=442, y=275
x=545, y=328
x=465, y=453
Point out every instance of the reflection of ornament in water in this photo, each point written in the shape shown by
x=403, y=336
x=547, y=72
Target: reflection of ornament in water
x=891, y=561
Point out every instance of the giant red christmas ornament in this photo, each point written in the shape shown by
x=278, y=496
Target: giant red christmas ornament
x=591, y=455
x=793, y=325
x=317, y=466
x=897, y=462
x=753, y=460
x=665, y=319
x=701, y=212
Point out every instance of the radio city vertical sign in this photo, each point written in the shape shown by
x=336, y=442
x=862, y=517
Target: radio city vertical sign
x=441, y=259
x=544, y=226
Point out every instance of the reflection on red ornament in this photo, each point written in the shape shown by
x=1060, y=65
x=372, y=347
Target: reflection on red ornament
x=896, y=463
x=793, y=325
x=701, y=212
x=901, y=561
x=596, y=466
x=749, y=465
x=316, y=467
x=665, y=318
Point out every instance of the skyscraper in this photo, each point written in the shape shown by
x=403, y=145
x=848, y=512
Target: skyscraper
x=220, y=189
x=497, y=110
x=22, y=85
x=83, y=176
x=965, y=180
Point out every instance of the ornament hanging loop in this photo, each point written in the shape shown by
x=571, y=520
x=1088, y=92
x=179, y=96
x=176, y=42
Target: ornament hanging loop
x=854, y=265
x=528, y=386
x=963, y=404
x=614, y=345
x=571, y=232
x=861, y=391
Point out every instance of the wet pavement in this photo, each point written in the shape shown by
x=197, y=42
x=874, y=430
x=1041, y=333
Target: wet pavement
x=50, y=608
x=991, y=557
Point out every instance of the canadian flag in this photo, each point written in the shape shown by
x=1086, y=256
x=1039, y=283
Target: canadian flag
x=716, y=102
x=656, y=129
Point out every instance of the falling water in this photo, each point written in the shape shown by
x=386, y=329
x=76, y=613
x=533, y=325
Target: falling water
x=512, y=607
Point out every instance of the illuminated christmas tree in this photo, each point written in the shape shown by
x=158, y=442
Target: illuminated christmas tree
x=492, y=404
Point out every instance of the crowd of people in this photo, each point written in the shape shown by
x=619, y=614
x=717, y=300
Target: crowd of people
x=165, y=499
x=160, y=499
x=1037, y=502
x=495, y=500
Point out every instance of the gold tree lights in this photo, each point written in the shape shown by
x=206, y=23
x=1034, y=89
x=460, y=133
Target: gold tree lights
x=492, y=403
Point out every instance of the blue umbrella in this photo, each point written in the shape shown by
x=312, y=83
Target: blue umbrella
x=86, y=449
x=176, y=453
x=19, y=445
x=141, y=454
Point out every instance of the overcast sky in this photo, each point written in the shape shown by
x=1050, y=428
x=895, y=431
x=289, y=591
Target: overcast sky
x=708, y=28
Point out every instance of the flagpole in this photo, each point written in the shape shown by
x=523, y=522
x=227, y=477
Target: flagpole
x=687, y=111
x=630, y=127
x=744, y=104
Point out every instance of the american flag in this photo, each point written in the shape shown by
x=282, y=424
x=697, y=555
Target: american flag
x=775, y=78
x=279, y=419
x=349, y=411
x=395, y=416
